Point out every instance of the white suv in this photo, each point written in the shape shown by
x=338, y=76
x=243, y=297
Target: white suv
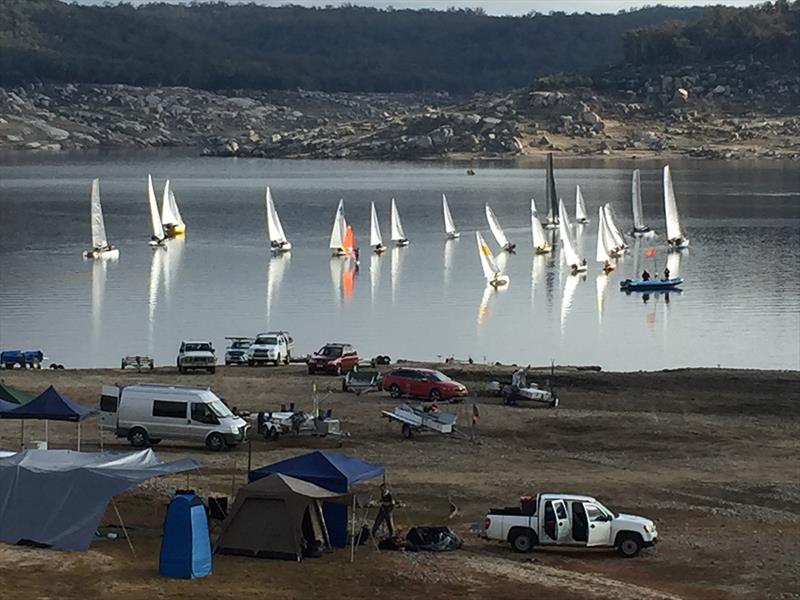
x=196, y=355
x=271, y=347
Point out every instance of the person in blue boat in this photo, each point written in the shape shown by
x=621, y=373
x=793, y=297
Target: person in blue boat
x=645, y=275
x=666, y=273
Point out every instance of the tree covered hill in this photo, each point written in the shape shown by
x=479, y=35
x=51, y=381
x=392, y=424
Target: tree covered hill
x=216, y=46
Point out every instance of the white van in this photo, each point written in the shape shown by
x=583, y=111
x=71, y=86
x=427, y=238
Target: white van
x=147, y=413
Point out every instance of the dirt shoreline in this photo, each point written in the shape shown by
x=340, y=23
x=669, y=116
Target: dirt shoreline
x=709, y=454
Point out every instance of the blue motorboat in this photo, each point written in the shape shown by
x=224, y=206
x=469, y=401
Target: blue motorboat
x=650, y=285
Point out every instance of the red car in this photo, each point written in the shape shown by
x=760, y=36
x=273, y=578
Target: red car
x=423, y=383
x=335, y=359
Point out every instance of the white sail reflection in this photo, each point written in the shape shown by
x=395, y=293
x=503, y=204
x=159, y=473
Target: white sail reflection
x=374, y=276
x=337, y=268
x=172, y=265
x=568, y=297
x=397, y=265
x=99, y=272
x=449, y=247
x=276, y=267
x=156, y=269
x=601, y=285
x=483, y=307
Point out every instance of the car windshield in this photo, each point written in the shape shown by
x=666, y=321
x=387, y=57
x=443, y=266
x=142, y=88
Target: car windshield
x=331, y=351
x=437, y=376
x=267, y=341
x=197, y=348
x=218, y=408
x=239, y=345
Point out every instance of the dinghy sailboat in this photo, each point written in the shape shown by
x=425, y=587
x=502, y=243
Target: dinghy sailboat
x=676, y=238
x=540, y=243
x=375, y=237
x=494, y=276
x=398, y=235
x=338, y=231
x=639, y=228
x=574, y=262
x=580, y=208
x=171, y=219
x=100, y=246
x=157, y=236
x=277, y=238
x=616, y=234
x=497, y=231
x=449, y=226
x=550, y=196
x=605, y=243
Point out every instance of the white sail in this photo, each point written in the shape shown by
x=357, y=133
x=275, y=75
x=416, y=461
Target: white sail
x=605, y=235
x=168, y=217
x=674, y=230
x=580, y=207
x=375, y=238
x=174, y=207
x=619, y=240
x=339, y=227
x=636, y=200
x=449, y=226
x=674, y=263
x=397, y=226
x=155, y=219
x=568, y=244
x=490, y=268
x=274, y=226
x=497, y=231
x=602, y=255
x=99, y=239
x=539, y=238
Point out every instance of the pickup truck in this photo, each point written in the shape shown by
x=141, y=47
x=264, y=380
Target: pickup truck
x=196, y=355
x=273, y=346
x=568, y=520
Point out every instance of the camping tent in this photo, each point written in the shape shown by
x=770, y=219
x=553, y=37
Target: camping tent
x=57, y=497
x=275, y=517
x=51, y=405
x=332, y=471
x=13, y=395
x=185, y=547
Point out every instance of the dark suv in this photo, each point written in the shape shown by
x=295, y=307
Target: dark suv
x=334, y=359
x=423, y=383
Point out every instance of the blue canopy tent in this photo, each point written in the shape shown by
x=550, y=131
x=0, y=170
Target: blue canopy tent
x=185, y=547
x=329, y=470
x=50, y=405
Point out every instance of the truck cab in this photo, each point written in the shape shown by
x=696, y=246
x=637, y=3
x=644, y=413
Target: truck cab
x=196, y=355
x=271, y=347
x=569, y=520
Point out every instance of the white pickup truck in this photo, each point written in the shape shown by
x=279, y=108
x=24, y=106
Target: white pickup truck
x=273, y=346
x=568, y=520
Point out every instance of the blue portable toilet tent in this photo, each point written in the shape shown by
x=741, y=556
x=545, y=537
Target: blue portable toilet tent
x=329, y=470
x=185, y=547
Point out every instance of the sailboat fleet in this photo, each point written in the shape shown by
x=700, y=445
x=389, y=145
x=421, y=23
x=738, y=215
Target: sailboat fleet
x=610, y=244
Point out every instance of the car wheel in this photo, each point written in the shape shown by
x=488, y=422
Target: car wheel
x=288, y=359
x=406, y=431
x=394, y=391
x=522, y=541
x=278, y=360
x=138, y=438
x=215, y=442
x=435, y=395
x=630, y=545
x=212, y=370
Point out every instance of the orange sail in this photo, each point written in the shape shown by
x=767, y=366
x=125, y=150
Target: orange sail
x=349, y=243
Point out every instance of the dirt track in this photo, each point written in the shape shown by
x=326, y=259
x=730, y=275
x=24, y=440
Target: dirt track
x=711, y=455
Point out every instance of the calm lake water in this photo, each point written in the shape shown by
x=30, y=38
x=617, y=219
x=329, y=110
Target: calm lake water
x=740, y=304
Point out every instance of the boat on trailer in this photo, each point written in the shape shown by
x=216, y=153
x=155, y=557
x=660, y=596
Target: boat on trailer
x=100, y=246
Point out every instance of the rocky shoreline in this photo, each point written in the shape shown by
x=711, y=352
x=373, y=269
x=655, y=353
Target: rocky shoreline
x=701, y=115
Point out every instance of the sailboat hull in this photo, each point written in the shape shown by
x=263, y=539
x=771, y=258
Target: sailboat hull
x=379, y=249
x=157, y=243
x=110, y=254
x=453, y=236
x=582, y=221
x=285, y=247
x=401, y=243
x=579, y=269
x=509, y=247
x=544, y=249
x=679, y=244
x=499, y=281
x=550, y=225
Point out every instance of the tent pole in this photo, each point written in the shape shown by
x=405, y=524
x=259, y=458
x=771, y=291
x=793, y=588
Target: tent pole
x=47, y=433
x=233, y=479
x=22, y=434
x=100, y=432
x=79, y=436
x=353, y=532
x=124, y=530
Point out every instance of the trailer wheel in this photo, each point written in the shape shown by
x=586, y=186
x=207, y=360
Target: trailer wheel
x=406, y=431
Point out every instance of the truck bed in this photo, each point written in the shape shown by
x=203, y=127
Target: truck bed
x=512, y=511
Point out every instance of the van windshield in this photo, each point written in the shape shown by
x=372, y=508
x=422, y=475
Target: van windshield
x=219, y=409
x=267, y=341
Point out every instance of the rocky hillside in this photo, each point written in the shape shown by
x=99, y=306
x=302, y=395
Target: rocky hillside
x=714, y=111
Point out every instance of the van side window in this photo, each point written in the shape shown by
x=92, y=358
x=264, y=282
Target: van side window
x=173, y=410
x=202, y=414
x=108, y=403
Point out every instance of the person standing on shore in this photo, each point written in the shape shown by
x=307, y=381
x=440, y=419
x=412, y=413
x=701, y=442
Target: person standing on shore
x=384, y=512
